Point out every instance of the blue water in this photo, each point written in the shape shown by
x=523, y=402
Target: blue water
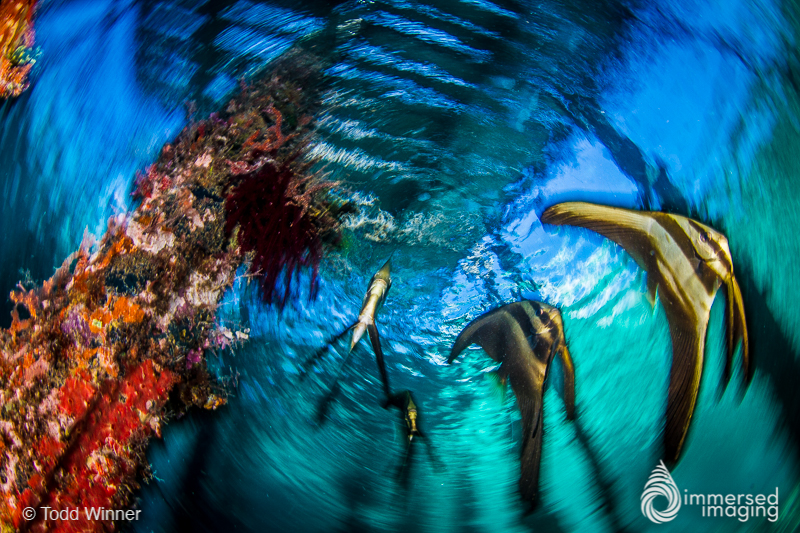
x=453, y=125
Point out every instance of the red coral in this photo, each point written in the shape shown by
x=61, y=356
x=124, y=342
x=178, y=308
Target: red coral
x=88, y=367
x=283, y=235
x=48, y=450
x=241, y=167
x=75, y=396
x=150, y=183
x=274, y=136
x=101, y=460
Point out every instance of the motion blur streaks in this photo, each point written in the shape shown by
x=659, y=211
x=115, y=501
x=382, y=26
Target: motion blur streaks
x=453, y=125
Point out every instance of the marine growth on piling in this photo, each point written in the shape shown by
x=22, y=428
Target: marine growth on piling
x=99, y=356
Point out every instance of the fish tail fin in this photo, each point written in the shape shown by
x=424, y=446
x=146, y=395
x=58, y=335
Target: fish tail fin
x=326, y=401
x=325, y=404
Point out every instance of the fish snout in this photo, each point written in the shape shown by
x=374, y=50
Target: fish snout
x=386, y=270
x=358, y=332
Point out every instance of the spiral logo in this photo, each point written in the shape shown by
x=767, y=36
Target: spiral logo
x=661, y=483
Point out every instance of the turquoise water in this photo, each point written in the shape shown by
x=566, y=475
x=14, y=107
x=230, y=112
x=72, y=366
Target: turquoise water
x=453, y=125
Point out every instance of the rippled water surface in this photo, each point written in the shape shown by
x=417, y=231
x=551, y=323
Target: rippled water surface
x=454, y=125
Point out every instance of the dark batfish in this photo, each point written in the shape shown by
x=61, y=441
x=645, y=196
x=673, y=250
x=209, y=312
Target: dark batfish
x=524, y=337
x=686, y=262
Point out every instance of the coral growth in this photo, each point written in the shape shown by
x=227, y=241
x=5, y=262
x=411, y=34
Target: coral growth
x=283, y=229
x=282, y=210
x=16, y=42
x=99, y=356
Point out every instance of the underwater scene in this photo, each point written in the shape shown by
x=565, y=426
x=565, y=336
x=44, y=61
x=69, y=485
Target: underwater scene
x=399, y=265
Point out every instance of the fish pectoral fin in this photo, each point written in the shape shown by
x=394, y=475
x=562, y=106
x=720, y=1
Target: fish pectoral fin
x=376, y=346
x=688, y=344
x=498, y=384
x=652, y=290
x=531, y=455
x=569, y=382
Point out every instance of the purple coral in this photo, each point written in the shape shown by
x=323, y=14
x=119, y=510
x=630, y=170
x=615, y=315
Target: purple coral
x=193, y=357
x=75, y=327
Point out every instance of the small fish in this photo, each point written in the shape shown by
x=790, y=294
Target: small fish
x=377, y=290
x=524, y=337
x=404, y=402
x=376, y=294
x=686, y=262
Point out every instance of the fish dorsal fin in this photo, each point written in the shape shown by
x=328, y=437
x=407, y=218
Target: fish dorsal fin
x=630, y=229
x=490, y=331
